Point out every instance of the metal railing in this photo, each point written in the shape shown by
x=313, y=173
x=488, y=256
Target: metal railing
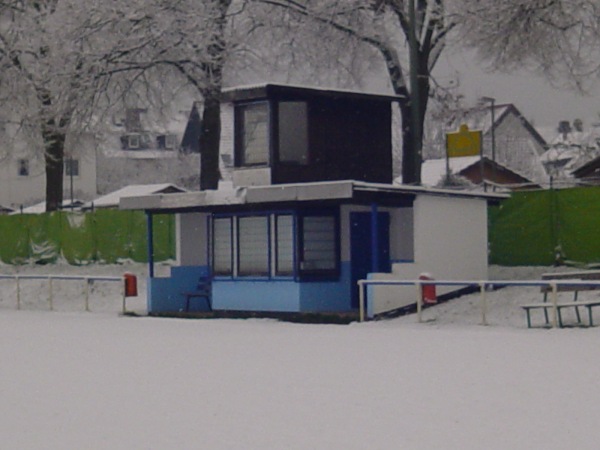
x=51, y=278
x=483, y=285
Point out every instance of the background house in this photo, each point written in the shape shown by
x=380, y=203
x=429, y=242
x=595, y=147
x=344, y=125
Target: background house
x=472, y=172
x=22, y=168
x=516, y=146
x=146, y=146
x=571, y=147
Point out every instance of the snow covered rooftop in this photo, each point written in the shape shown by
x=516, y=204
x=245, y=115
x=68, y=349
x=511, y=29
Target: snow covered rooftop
x=40, y=208
x=434, y=170
x=111, y=200
x=286, y=193
x=262, y=90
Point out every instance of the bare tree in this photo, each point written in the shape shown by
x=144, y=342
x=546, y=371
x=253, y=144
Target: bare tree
x=559, y=39
x=185, y=40
x=44, y=76
x=386, y=27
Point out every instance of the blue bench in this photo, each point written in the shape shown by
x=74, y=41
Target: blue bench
x=203, y=291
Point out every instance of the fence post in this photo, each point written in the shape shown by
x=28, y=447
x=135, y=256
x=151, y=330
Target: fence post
x=361, y=301
x=87, y=294
x=419, y=302
x=18, y=293
x=50, y=302
x=482, y=287
x=124, y=308
x=554, y=302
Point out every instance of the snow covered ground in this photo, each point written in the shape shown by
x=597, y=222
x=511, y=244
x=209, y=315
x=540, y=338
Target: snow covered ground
x=72, y=379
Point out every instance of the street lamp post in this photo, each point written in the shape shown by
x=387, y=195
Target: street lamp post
x=492, y=102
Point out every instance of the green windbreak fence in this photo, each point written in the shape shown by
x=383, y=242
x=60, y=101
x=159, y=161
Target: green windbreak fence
x=546, y=228
x=107, y=236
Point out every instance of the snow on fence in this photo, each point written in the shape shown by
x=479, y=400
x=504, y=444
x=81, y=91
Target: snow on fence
x=483, y=286
x=51, y=278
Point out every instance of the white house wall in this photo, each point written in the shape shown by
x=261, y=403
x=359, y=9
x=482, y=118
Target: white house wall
x=450, y=243
x=83, y=149
x=517, y=149
x=19, y=190
x=191, y=239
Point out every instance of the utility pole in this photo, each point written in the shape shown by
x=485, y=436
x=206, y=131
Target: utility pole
x=492, y=102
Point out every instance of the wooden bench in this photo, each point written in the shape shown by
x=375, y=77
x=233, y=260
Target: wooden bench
x=590, y=275
x=203, y=290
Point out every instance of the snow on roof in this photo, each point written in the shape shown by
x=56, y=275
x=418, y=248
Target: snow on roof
x=309, y=88
x=434, y=170
x=284, y=193
x=40, y=208
x=134, y=190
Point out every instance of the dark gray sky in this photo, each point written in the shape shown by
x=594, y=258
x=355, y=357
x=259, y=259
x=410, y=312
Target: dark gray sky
x=540, y=102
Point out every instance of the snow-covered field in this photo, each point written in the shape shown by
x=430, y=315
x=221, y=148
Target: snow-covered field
x=72, y=379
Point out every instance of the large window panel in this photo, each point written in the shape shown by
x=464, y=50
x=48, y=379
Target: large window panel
x=253, y=138
x=293, y=132
x=284, y=242
x=253, y=249
x=222, y=246
x=319, y=244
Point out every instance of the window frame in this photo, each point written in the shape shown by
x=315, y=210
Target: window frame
x=240, y=133
x=71, y=163
x=276, y=260
x=23, y=167
x=240, y=272
x=298, y=239
x=232, y=244
x=319, y=274
x=307, y=156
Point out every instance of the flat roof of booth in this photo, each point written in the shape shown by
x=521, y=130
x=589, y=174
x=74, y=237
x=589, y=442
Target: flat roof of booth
x=269, y=90
x=288, y=194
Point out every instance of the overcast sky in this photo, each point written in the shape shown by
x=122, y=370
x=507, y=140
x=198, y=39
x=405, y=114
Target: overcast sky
x=532, y=95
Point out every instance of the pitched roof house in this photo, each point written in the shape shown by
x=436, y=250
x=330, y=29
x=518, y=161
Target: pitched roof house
x=309, y=210
x=516, y=144
x=476, y=173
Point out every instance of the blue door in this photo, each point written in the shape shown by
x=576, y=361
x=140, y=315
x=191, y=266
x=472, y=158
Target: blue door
x=362, y=247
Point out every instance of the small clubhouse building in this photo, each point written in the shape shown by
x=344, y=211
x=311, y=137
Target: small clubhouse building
x=307, y=208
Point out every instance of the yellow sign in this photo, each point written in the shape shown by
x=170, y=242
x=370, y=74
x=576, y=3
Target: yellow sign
x=463, y=142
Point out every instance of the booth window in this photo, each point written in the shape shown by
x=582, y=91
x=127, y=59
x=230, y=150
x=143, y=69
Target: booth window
x=252, y=134
x=253, y=246
x=284, y=242
x=293, y=132
x=319, y=245
x=279, y=244
x=222, y=246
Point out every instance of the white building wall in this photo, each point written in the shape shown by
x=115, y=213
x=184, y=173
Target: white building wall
x=517, y=149
x=19, y=190
x=81, y=147
x=450, y=243
x=191, y=232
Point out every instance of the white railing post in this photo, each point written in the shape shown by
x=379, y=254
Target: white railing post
x=361, y=301
x=87, y=294
x=18, y=293
x=554, y=303
x=124, y=291
x=482, y=287
x=419, y=302
x=50, y=300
